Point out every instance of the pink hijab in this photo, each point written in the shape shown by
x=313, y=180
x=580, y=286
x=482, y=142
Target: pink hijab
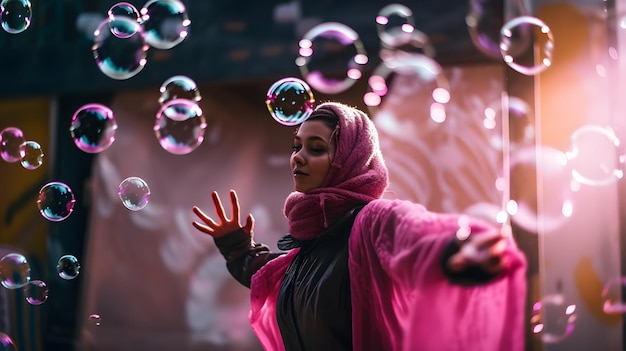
x=357, y=175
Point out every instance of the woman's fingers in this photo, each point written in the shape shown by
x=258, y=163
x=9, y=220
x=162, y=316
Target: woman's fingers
x=202, y=227
x=206, y=219
x=219, y=208
x=249, y=227
x=234, y=202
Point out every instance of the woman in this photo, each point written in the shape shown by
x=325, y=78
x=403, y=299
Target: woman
x=365, y=273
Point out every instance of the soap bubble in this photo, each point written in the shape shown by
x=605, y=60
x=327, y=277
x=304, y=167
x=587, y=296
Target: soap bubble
x=31, y=155
x=179, y=87
x=68, y=267
x=329, y=48
x=120, y=58
x=36, y=292
x=55, y=201
x=14, y=271
x=290, y=101
x=11, y=139
x=165, y=22
x=134, y=193
x=93, y=128
x=15, y=15
x=180, y=126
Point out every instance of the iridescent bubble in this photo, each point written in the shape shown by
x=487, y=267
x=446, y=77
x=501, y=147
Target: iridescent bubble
x=93, y=128
x=179, y=126
x=31, y=155
x=552, y=318
x=36, y=292
x=484, y=22
x=290, y=101
x=134, y=193
x=55, y=201
x=11, y=139
x=14, y=271
x=120, y=28
x=165, y=22
x=120, y=58
x=15, y=15
x=68, y=267
x=411, y=76
x=395, y=24
x=593, y=155
x=94, y=319
x=332, y=57
x=613, y=297
x=521, y=126
x=551, y=208
x=179, y=87
x=6, y=343
x=526, y=45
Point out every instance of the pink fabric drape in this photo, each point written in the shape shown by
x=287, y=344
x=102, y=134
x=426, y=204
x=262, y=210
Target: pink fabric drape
x=401, y=299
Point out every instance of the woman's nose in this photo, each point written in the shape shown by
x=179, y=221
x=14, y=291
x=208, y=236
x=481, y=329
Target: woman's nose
x=297, y=157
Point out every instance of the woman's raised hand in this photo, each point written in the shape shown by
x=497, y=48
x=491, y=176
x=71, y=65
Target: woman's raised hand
x=224, y=225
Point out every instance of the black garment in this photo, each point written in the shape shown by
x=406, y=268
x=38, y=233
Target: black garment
x=314, y=310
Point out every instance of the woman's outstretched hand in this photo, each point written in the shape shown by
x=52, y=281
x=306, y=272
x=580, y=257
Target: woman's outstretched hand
x=224, y=225
x=487, y=251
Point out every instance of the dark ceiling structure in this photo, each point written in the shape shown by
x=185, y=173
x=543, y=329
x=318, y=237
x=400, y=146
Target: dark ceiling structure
x=228, y=41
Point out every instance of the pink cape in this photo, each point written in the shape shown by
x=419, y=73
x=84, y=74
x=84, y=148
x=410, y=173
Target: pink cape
x=401, y=299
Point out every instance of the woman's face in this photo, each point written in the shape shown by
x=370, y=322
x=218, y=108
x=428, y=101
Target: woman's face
x=312, y=155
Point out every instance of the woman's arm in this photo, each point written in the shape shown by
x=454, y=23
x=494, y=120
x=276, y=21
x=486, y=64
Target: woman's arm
x=243, y=256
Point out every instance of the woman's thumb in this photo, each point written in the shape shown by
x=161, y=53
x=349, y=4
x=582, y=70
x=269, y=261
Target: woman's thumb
x=249, y=224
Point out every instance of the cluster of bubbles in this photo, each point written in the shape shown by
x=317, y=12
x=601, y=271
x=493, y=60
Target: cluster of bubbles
x=122, y=39
x=14, y=147
x=15, y=273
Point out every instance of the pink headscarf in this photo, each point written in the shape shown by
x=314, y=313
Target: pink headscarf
x=357, y=175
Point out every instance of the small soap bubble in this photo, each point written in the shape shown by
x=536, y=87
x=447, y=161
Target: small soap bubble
x=614, y=301
x=117, y=57
x=94, y=319
x=119, y=28
x=553, y=318
x=36, y=292
x=527, y=45
x=11, y=139
x=15, y=15
x=134, y=193
x=31, y=155
x=55, y=201
x=93, y=128
x=179, y=87
x=180, y=126
x=6, y=343
x=593, y=155
x=395, y=23
x=290, y=101
x=68, y=267
x=165, y=22
x=14, y=271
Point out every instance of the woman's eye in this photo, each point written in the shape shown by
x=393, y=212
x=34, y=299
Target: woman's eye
x=297, y=148
x=318, y=151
